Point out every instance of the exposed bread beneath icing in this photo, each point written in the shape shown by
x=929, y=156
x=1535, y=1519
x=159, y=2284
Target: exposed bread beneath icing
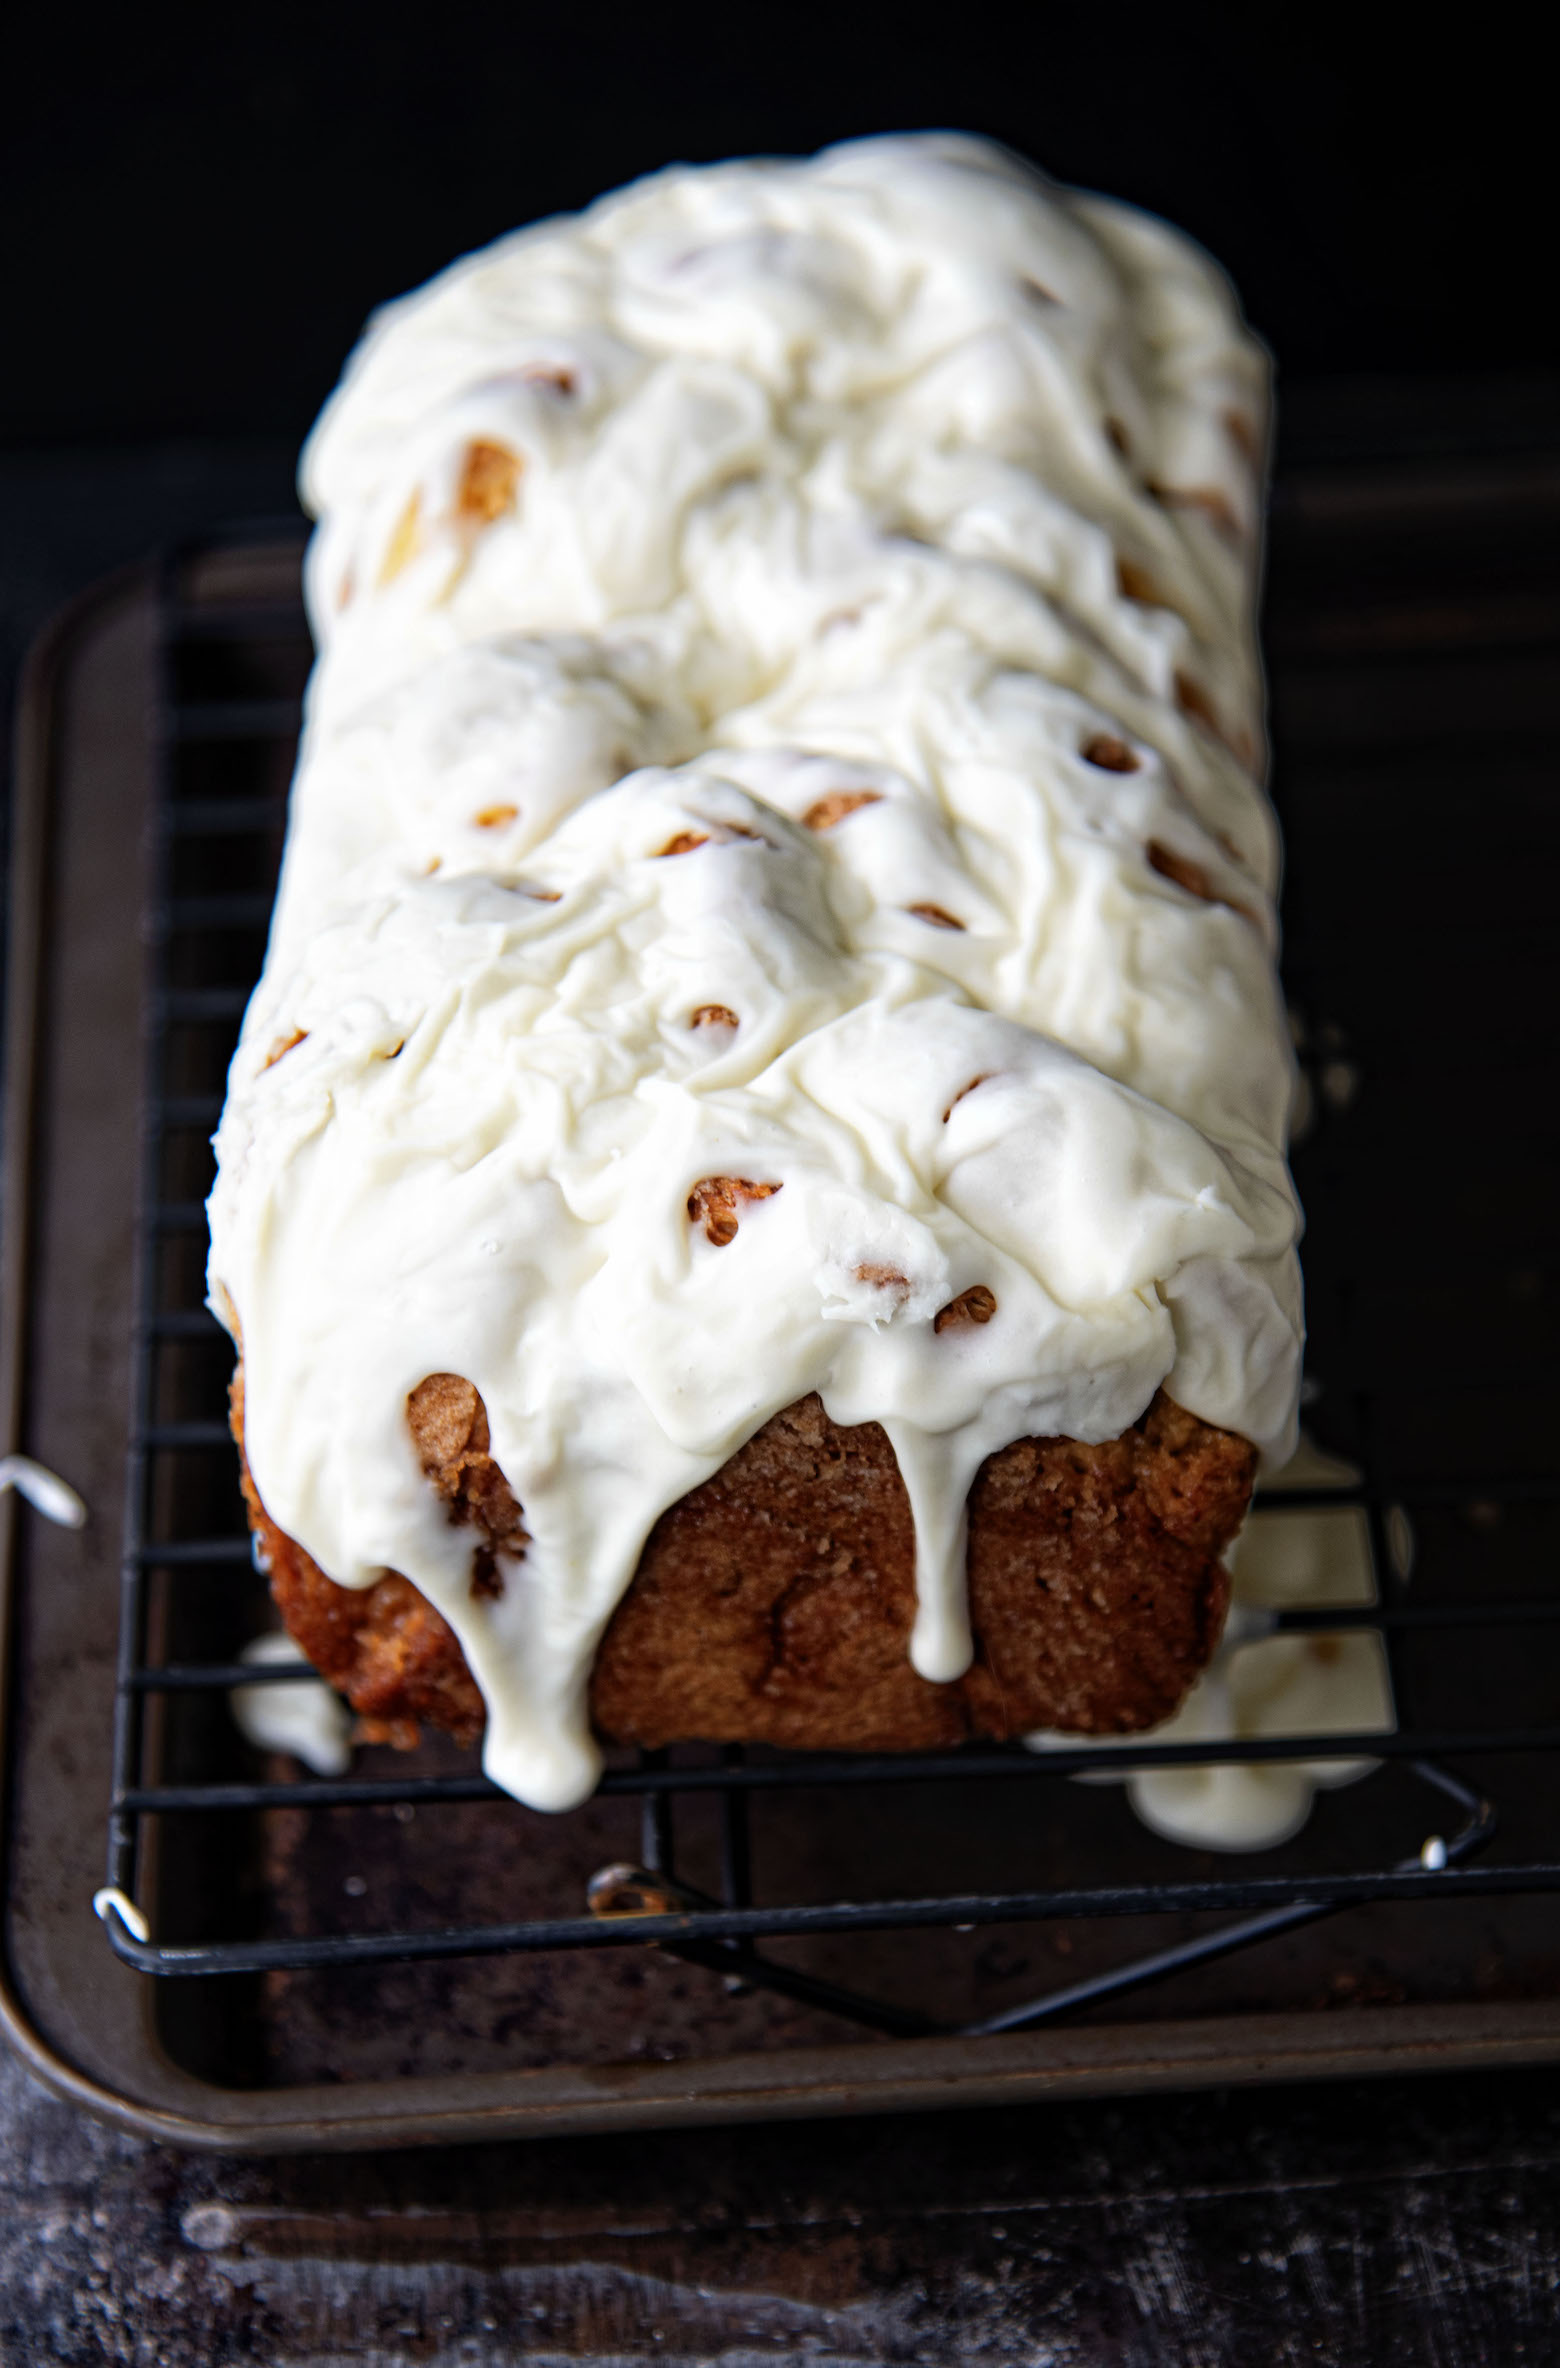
x=775, y=1602
x=449, y=1423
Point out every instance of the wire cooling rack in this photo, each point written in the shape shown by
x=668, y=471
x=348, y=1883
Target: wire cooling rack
x=231, y=681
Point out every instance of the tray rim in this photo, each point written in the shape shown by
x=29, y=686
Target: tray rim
x=157, y=2100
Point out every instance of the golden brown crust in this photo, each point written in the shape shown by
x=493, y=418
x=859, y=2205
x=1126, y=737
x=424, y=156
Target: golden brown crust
x=449, y=1424
x=384, y=1647
x=775, y=1602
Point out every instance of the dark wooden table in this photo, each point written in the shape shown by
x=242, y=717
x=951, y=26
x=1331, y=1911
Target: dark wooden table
x=1388, y=2223
x=1394, y=2225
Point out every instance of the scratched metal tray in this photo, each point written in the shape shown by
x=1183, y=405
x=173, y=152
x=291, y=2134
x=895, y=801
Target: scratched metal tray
x=1412, y=623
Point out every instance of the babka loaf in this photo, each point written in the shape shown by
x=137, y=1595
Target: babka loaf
x=752, y=1195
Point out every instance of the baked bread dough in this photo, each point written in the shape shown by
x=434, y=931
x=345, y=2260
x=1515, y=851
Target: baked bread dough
x=775, y=1602
x=752, y=1193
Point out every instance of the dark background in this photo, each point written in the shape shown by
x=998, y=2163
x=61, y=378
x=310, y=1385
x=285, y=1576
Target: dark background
x=200, y=210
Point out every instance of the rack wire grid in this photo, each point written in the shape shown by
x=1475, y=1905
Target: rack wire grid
x=225, y=759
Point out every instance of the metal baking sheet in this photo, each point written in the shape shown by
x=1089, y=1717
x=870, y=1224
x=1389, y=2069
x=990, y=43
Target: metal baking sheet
x=1411, y=633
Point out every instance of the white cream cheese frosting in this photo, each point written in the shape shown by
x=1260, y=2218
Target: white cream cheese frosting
x=787, y=714
x=306, y=1720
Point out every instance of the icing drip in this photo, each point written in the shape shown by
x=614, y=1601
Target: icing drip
x=777, y=897
x=1260, y=1685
